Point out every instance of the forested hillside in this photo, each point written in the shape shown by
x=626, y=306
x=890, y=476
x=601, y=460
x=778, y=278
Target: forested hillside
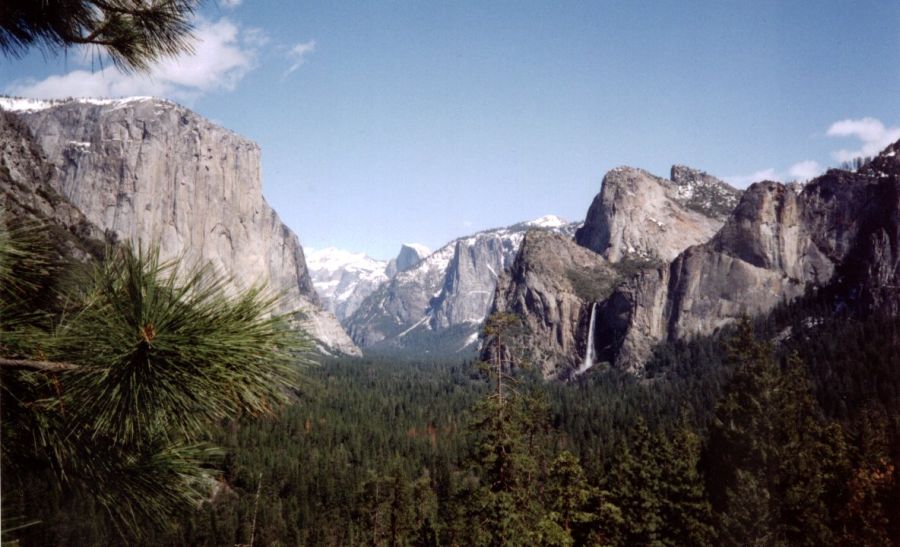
x=781, y=432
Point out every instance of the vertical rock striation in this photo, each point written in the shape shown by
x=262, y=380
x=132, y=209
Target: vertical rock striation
x=840, y=231
x=440, y=302
x=552, y=285
x=636, y=223
x=150, y=170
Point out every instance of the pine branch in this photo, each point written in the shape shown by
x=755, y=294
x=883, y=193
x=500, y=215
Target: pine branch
x=30, y=364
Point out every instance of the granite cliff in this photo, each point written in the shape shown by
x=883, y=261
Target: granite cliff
x=150, y=170
x=838, y=236
x=437, y=306
x=637, y=222
x=637, y=214
x=840, y=232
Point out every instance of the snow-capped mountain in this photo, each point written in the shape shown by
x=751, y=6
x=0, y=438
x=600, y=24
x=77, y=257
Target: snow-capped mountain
x=343, y=279
x=439, y=304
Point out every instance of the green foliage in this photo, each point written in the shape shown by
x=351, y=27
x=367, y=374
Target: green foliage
x=591, y=286
x=143, y=363
x=25, y=273
x=635, y=487
x=132, y=34
x=381, y=453
x=159, y=345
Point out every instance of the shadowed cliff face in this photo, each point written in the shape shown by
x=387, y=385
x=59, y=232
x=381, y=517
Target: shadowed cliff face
x=636, y=223
x=26, y=195
x=150, y=170
x=552, y=286
x=680, y=267
x=839, y=231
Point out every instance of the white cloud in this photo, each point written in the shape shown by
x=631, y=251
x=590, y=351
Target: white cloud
x=804, y=170
x=223, y=54
x=873, y=137
x=871, y=132
x=231, y=3
x=800, y=171
x=742, y=181
x=298, y=54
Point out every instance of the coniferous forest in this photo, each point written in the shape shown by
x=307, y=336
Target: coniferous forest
x=146, y=399
x=778, y=431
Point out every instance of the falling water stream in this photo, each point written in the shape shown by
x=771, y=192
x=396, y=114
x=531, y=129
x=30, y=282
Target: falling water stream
x=589, y=352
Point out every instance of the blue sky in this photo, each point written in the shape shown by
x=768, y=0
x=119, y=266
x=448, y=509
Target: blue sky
x=385, y=122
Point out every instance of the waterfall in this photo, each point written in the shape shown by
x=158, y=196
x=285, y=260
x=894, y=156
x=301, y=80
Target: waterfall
x=589, y=352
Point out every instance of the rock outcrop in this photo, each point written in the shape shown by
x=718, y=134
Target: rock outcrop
x=841, y=231
x=636, y=223
x=26, y=195
x=410, y=254
x=150, y=170
x=552, y=286
x=443, y=299
x=639, y=215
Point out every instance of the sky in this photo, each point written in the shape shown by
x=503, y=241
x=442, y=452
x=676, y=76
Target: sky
x=390, y=122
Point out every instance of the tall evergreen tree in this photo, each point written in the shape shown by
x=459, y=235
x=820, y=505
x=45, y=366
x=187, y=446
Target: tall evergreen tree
x=635, y=488
x=568, y=497
x=771, y=460
x=506, y=510
x=740, y=454
x=686, y=512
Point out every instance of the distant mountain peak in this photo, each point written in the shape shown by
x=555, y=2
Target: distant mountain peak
x=548, y=221
x=441, y=301
x=420, y=249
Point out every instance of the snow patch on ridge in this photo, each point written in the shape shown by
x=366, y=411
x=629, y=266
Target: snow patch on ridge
x=21, y=104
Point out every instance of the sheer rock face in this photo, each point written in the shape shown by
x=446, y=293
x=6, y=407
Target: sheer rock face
x=636, y=222
x=453, y=286
x=147, y=169
x=841, y=230
x=638, y=215
x=410, y=254
x=552, y=285
x=26, y=195
x=443, y=299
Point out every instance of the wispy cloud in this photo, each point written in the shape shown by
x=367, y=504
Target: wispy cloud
x=804, y=170
x=230, y=3
x=741, y=181
x=223, y=54
x=297, y=56
x=800, y=171
x=873, y=135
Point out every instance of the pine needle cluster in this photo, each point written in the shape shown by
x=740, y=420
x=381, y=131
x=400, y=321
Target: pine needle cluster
x=116, y=395
x=132, y=33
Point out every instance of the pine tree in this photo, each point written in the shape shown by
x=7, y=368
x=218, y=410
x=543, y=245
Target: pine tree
x=740, y=455
x=506, y=509
x=635, y=488
x=865, y=516
x=800, y=440
x=686, y=512
x=568, y=496
x=770, y=467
